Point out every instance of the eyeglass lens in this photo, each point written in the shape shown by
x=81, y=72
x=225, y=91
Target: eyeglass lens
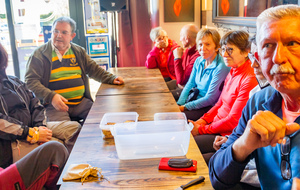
x=251, y=57
x=285, y=166
x=228, y=50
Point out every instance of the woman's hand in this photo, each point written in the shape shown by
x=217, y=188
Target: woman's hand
x=195, y=129
x=181, y=108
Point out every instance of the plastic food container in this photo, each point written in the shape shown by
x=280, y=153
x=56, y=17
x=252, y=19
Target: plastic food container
x=110, y=119
x=167, y=136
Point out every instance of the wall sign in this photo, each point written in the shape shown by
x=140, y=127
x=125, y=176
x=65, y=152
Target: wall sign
x=98, y=45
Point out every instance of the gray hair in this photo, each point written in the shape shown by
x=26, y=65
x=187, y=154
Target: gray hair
x=155, y=32
x=276, y=13
x=67, y=20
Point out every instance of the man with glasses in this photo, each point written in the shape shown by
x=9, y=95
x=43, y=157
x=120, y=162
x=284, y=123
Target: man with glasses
x=268, y=128
x=57, y=72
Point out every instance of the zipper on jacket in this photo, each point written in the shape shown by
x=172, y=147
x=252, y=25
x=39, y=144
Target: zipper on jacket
x=22, y=99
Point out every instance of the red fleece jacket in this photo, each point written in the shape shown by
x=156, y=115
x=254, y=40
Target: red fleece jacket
x=184, y=65
x=225, y=115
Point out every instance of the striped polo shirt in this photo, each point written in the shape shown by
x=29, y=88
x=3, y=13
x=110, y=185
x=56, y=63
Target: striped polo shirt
x=65, y=78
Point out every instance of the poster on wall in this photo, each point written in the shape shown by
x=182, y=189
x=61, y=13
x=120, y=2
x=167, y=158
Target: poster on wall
x=102, y=62
x=98, y=45
x=229, y=8
x=179, y=11
x=95, y=21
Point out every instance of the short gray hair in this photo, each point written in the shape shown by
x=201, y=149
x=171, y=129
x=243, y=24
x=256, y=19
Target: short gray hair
x=67, y=20
x=276, y=13
x=155, y=32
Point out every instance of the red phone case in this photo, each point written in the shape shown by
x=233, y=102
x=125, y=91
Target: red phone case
x=163, y=165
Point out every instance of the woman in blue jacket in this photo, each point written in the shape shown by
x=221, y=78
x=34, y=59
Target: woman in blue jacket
x=207, y=77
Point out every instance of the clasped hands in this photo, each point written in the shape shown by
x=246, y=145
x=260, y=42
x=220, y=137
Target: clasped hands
x=45, y=134
x=197, y=124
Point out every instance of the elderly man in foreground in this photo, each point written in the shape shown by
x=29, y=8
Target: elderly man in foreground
x=268, y=128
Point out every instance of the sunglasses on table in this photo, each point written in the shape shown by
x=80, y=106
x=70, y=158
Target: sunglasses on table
x=285, y=166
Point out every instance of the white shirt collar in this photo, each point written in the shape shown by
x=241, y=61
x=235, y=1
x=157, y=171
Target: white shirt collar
x=59, y=55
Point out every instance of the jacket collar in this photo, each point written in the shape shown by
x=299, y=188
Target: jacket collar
x=215, y=62
x=244, y=67
x=273, y=105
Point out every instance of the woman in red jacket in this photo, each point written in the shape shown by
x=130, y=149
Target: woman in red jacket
x=222, y=118
x=161, y=56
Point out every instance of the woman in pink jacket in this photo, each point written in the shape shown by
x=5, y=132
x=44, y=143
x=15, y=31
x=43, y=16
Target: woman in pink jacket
x=222, y=118
x=161, y=56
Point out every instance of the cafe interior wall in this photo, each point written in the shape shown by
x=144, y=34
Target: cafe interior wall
x=173, y=28
x=207, y=21
x=202, y=16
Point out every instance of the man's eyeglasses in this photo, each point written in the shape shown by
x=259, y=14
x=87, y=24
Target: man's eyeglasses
x=228, y=50
x=253, y=57
x=285, y=166
x=63, y=32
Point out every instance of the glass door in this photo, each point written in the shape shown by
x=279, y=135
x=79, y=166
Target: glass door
x=32, y=24
x=5, y=38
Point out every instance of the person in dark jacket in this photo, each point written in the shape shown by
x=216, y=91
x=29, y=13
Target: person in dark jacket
x=23, y=123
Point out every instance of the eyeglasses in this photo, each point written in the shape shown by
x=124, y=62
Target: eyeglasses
x=160, y=38
x=285, y=166
x=228, y=50
x=253, y=57
x=63, y=32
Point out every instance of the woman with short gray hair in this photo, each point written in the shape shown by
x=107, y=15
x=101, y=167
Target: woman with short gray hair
x=161, y=56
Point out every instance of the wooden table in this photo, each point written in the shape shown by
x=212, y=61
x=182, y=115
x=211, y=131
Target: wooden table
x=146, y=105
x=130, y=174
x=135, y=86
x=137, y=80
x=135, y=72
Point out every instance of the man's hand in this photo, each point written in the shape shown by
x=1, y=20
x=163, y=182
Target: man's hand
x=219, y=140
x=58, y=102
x=178, y=52
x=161, y=44
x=264, y=129
x=296, y=183
x=45, y=134
x=118, y=81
